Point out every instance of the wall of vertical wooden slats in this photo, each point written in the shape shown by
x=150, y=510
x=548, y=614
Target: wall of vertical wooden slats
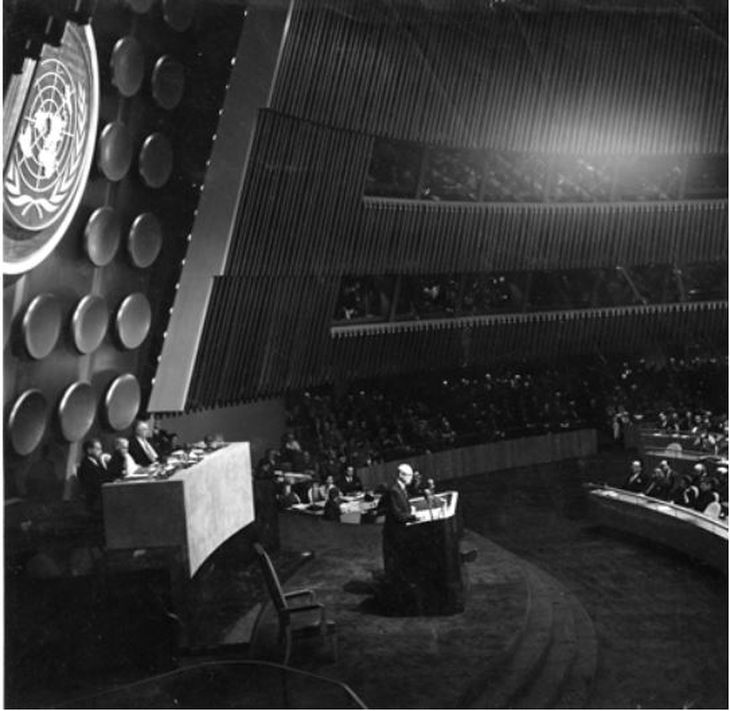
x=575, y=81
x=303, y=224
x=301, y=199
x=626, y=330
x=440, y=237
x=263, y=335
x=572, y=82
x=303, y=212
x=248, y=352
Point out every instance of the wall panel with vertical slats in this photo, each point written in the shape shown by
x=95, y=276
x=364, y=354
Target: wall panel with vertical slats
x=303, y=224
x=302, y=212
x=492, y=75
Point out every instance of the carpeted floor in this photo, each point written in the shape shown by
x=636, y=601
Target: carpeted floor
x=661, y=619
x=397, y=662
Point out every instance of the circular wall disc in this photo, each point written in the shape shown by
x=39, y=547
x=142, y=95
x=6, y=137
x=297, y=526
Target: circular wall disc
x=53, y=130
x=168, y=82
x=27, y=421
x=7, y=315
x=102, y=235
x=41, y=325
x=76, y=411
x=178, y=13
x=127, y=64
x=133, y=320
x=145, y=240
x=122, y=401
x=155, y=160
x=115, y=151
x=89, y=323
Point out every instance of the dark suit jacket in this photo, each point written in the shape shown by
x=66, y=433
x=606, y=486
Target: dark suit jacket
x=91, y=475
x=138, y=454
x=351, y=487
x=116, y=466
x=397, y=510
x=635, y=482
x=332, y=510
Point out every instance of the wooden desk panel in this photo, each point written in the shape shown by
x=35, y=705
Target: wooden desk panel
x=194, y=510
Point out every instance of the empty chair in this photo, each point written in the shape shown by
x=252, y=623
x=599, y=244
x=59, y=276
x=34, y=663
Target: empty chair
x=295, y=620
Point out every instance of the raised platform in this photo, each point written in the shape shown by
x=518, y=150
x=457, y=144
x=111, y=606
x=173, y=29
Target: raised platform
x=523, y=641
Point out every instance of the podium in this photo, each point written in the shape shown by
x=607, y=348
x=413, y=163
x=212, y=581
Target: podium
x=423, y=565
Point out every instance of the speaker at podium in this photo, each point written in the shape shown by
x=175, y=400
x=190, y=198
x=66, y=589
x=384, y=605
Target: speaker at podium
x=424, y=572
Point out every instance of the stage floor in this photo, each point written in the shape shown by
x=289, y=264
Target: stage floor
x=454, y=661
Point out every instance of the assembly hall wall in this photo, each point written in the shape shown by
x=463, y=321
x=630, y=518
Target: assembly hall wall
x=260, y=423
x=83, y=327
x=352, y=74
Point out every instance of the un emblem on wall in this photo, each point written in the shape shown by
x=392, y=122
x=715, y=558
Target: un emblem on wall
x=54, y=111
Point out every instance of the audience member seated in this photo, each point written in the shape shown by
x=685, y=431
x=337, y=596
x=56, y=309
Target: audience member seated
x=331, y=464
x=287, y=498
x=121, y=463
x=714, y=508
x=92, y=473
x=446, y=432
x=320, y=492
x=213, y=441
x=658, y=487
x=387, y=419
x=671, y=477
x=350, y=482
x=332, y=507
x=721, y=475
x=704, y=441
x=636, y=480
x=683, y=494
x=291, y=449
x=174, y=442
x=707, y=494
x=268, y=465
x=162, y=441
x=417, y=485
x=139, y=447
x=690, y=494
x=307, y=465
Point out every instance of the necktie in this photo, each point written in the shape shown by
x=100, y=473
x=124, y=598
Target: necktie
x=149, y=449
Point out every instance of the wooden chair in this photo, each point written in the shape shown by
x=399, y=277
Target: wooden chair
x=292, y=624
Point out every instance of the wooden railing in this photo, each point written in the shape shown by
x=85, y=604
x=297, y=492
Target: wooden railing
x=491, y=457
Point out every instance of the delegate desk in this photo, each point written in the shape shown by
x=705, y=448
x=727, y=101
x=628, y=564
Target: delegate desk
x=683, y=529
x=192, y=511
x=357, y=508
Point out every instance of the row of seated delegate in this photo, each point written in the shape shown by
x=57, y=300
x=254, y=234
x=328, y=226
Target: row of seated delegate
x=389, y=419
x=330, y=495
x=705, y=490
x=437, y=296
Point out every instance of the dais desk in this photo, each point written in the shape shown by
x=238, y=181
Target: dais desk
x=194, y=511
x=683, y=529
